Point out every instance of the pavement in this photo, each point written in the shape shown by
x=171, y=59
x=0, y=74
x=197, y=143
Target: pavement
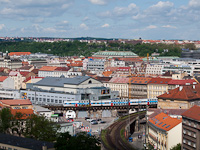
x=95, y=129
x=138, y=140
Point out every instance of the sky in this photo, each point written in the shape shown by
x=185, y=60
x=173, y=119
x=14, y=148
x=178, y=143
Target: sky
x=126, y=19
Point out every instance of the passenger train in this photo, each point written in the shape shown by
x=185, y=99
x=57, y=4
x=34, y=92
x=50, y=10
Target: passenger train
x=113, y=102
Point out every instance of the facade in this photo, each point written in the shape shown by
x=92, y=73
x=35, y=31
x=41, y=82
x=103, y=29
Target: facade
x=18, y=79
x=178, y=68
x=96, y=65
x=164, y=132
x=10, y=63
x=157, y=86
x=50, y=71
x=195, y=54
x=191, y=129
x=154, y=69
x=182, y=97
x=119, y=84
x=9, y=94
x=138, y=87
x=54, y=91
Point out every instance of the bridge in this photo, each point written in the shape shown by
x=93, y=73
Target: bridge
x=117, y=110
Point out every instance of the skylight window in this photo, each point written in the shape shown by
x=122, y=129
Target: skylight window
x=168, y=126
x=160, y=123
x=164, y=125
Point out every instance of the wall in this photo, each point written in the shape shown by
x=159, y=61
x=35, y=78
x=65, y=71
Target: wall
x=175, y=136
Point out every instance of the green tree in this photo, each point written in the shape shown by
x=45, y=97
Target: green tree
x=82, y=141
x=5, y=120
x=176, y=147
x=40, y=128
x=18, y=123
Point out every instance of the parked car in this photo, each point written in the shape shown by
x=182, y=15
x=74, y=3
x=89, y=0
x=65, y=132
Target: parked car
x=102, y=121
x=98, y=119
x=87, y=118
x=94, y=122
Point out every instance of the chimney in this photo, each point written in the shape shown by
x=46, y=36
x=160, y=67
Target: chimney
x=180, y=88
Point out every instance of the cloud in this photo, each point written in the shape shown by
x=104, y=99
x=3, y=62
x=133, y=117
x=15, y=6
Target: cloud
x=169, y=26
x=84, y=26
x=130, y=10
x=105, y=25
x=194, y=3
x=2, y=26
x=33, y=8
x=151, y=27
x=98, y=2
x=85, y=18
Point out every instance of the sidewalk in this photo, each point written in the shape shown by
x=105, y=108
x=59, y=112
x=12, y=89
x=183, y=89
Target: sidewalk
x=137, y=142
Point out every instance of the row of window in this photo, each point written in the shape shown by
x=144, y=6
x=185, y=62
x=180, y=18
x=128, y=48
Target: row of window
x=46, y=100
x=189, y=143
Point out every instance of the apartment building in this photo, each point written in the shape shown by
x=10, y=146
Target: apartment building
x=182, y=97
x=18, y=79
x=164, y=132
x=119, y=84
x=154, y=69
x=138, y=87
x=50, y=71
x=191, y=129
x=157, y=86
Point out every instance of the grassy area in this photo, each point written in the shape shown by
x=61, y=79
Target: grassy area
x=103, y=138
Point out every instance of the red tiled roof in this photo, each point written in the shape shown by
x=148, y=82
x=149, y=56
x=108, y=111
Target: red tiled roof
x=62, y=68
x=193, y=113
x=33, y=77
x=2, y=78
x=107, y=73
x=139, y=80
x=164, y=122
x=181, y=82
x=119, y=80
x=26, y=112
x=19, y=53
x=14, y=102
x=190, y=92
x=24, y=73
x=159, y=81
x=47, y=68
x=111, y=68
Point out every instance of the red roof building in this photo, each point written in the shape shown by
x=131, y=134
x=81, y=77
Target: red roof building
x=162, y=129
x=183, y=97
x=19, y=53
x=25, y=112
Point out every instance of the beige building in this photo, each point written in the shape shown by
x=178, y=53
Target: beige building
x=119, y=84
x=18, y=79
x=183, y=97
x=164, y=132
x=138, y=87
x=157, y=86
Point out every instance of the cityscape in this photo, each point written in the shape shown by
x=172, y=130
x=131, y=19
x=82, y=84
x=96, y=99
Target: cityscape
x=99, y=75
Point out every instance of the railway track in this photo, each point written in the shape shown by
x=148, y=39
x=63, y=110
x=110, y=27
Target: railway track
x=114, y=138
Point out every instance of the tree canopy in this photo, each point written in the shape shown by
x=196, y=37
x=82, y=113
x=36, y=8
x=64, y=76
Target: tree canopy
x=77, y=48
x=82, y=141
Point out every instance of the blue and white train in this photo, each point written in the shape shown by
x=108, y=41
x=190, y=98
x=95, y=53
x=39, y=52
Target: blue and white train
x=113, y=102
